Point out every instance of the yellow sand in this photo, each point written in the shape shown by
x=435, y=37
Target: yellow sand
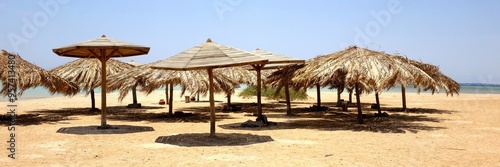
x=463, y=130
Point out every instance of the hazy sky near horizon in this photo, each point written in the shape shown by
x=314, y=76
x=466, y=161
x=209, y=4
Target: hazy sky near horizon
x=462, y=37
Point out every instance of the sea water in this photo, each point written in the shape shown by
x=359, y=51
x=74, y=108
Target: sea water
x=41, y=92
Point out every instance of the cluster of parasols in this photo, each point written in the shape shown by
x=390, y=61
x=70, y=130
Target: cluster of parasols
x=214, y=68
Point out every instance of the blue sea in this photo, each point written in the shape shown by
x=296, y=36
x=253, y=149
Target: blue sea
x=41, y=92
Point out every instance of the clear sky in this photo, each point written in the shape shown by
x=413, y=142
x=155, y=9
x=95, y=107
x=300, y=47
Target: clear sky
x=462, y=37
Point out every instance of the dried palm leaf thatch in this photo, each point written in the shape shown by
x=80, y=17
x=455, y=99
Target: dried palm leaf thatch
x=364, y=70
x=449, y=85
x=87, y=71
x=265, y=73
x=287, y=76
x=28, y=75
x=238, y=74
x=194, y=81
x=303, y=78
x=276, y=61
x=283, y=76
x=371, y=70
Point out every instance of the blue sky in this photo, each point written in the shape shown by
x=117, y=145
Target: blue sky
x=461, y=37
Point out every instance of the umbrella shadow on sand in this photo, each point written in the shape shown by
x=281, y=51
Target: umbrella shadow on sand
x=38, y=117
x=196, y=115
x=418, y=110
x=31, y=119
x=114, y=129
x=336, y=120
x=121, y=113
x=278, y=109
x=88, y=111
x=245, y=107
x=221, y=139
x=166, y=117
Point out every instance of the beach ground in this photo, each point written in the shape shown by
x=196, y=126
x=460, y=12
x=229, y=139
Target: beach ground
x=439, y=130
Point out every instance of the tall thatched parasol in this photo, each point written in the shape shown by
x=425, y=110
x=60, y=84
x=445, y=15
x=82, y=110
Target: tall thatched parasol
x=275, y=62
x=149, y=79
x=281, y=78
x=103, y=49
x=87, y=73
x=209, y=55
x=367, y=70
x=134, y=89
x=449, y=85
x=28, y=75
x=239, y=75
x=142, y=76
x=306, y=80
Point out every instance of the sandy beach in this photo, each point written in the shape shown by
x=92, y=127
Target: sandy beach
x=440, y=131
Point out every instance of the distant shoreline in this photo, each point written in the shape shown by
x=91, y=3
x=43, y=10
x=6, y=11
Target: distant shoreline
x=479, y=84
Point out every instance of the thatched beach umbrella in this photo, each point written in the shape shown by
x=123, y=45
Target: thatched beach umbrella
x=367, y=70
x=27, y=75
x=134, y=89
x=103, y=49
x=275, y=61
x=281, y=79
x=239, y=75
x=195, y=81
x=287, y=76
x=87, y=73
x=449, y=85
x=142, y=76
x=301, y=77
x=209, y=55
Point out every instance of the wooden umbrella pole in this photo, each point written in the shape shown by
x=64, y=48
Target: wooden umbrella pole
x=166, y=95
x=212, y=105
x=171, y=99
x=339, y=92
x=103, y=60
x=318, y=95
x=403, y=92
x=134, y=94
x=378, y=103
x=350, y=96
x=92, y=100
x=360, y=113
x=258, y=68
x=288, y=105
